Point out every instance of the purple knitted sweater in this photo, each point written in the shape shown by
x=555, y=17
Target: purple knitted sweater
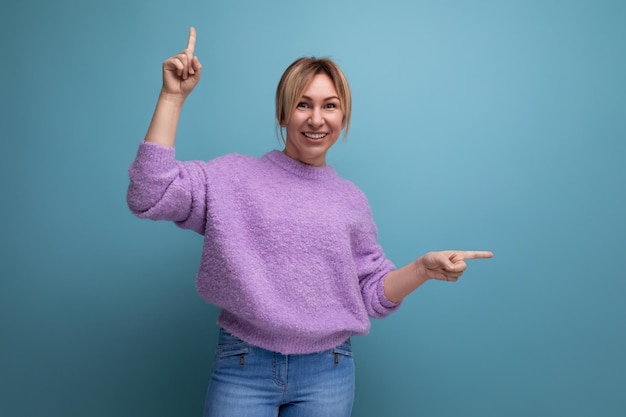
x=290, y=251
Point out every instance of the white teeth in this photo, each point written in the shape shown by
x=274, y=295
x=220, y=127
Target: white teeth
x=315, y=135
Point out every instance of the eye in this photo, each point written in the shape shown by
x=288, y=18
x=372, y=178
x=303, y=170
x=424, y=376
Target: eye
x=331, y=106
x=302, y=105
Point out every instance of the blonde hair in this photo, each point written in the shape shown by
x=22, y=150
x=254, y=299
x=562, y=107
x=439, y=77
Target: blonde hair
x=297, y=78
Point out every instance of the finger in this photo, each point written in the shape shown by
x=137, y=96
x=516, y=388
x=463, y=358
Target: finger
x=191, y=41
x=190, y=67
x=473, y=254
x=195, y=65
x=456, y=267
x=189, y=50
x=180, y=67
x=456, y=275
x=185, y=62
x=174, y=64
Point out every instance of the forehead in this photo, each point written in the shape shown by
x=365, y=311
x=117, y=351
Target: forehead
x=321, y=86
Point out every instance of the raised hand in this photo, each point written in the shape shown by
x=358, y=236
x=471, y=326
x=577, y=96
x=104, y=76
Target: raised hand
x=449, y=265
x=181, y=72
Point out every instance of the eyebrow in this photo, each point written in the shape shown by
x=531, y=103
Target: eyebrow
x=326, y=99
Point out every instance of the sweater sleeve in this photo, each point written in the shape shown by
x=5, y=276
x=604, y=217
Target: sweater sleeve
x=162, y=188
x=372, y=267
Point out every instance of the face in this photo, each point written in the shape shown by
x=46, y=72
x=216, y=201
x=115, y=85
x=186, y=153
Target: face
x=315, y=124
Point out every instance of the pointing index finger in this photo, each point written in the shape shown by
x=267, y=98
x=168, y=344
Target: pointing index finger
x=191, y=42
x=475, y=254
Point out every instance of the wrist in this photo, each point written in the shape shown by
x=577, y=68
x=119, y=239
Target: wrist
x=172, y=99
x=403, y=281
x=422, y=273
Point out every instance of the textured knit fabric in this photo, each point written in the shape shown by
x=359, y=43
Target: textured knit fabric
x=290, y=250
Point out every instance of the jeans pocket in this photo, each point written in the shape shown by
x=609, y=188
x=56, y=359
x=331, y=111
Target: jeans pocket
x=229, y=345
x=344, y=349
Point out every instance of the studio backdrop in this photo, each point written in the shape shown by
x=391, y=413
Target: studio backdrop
x=493, y=125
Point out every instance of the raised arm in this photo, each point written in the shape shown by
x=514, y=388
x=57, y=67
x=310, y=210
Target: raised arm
x=181, y=74
x=445, y=265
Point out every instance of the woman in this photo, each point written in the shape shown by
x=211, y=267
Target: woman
x=290, y=252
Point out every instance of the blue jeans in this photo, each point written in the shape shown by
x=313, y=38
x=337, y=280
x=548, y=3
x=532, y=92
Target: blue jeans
x=254, y=382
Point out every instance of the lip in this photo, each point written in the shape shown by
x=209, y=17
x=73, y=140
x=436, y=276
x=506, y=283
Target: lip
x=315, y=136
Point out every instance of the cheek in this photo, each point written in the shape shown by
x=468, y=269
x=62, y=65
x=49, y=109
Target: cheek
x=295, y=121
x=338, y=122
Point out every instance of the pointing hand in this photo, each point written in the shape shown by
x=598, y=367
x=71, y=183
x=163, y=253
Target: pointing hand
x=181, y=72
x=449, y=265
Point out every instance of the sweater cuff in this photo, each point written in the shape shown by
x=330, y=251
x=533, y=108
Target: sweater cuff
x=384, y=301
x=155, y=153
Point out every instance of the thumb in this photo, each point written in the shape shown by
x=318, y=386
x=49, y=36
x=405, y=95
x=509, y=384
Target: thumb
x=445, y=261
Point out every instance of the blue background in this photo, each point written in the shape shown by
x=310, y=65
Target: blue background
x=496, y=125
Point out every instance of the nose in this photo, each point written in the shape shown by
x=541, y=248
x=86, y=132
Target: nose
x=316, y=118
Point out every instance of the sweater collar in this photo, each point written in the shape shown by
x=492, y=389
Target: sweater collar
x=300, y=169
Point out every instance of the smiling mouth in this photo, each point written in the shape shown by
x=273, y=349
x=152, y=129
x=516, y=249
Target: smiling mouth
x=315, y=136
